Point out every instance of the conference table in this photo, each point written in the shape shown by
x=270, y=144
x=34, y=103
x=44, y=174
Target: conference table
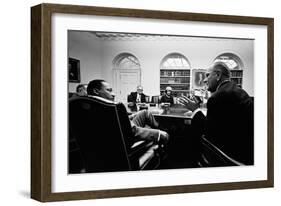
x=176, y=120
x=172, y=118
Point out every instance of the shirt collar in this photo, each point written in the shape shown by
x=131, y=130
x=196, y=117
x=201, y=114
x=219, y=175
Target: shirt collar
x=223, y=82
x=101, y=98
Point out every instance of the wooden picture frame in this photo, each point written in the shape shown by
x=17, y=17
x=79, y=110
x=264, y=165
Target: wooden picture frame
x=41, y=101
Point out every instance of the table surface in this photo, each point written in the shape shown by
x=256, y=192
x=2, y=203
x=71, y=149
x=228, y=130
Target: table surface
x=176, y=111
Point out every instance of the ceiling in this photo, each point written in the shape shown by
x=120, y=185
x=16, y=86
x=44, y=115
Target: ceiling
x=132, y=36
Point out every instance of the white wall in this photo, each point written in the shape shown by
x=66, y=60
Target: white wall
x=150, y=52
x=85, y=47
x=15, y=103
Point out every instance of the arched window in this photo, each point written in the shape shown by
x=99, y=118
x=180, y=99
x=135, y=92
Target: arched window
x=175, y=72
x=126, y=61
x=235, y=66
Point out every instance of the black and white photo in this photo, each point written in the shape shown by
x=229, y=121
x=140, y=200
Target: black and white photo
x=155, y=102
x=134, y=69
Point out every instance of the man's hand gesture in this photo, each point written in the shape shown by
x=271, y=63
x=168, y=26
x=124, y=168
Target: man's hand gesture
x=191, y=104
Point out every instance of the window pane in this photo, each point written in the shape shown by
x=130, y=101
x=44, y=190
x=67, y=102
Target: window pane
x=234, y=63
x=175, y=61
x=229, y=61
x=127, y=61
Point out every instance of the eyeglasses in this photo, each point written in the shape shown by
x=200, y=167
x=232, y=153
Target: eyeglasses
x=209, y=73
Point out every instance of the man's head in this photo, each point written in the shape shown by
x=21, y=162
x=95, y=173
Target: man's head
x=168, y=91
x=101, y=88
x=139, y=89
x=217, y=73
x=81, y=90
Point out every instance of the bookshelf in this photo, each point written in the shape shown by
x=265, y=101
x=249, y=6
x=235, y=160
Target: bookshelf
x=237, y=77
x=178, y=79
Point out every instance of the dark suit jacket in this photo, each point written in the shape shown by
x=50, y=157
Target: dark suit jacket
x=230, y=122
x=133, y=97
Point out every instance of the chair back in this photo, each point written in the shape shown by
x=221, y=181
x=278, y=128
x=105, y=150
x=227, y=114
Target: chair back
x=70, y=94
x=95, y=124
x=155, y=99
x=147, y=99
x=129, y=98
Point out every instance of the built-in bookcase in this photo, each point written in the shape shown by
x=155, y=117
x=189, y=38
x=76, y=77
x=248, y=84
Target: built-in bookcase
x=237, y=77
x=179, y=80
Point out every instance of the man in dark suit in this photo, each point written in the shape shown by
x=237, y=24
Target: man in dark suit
x=81, y=90
x=137, y=96
x=230, y=115
x=102, y=90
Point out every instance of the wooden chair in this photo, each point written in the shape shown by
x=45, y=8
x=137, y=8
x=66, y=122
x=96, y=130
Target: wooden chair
x=155, y=99
x=104, y=137
x=212, y=156
x=207, y=152
x=236, y=151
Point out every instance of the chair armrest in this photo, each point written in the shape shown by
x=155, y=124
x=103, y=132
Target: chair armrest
x=221, y=158
x=140, y=146
x=142, y=153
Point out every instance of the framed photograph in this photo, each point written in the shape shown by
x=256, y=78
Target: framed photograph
x=157, y=49
x=74, y=70
x=198, y=76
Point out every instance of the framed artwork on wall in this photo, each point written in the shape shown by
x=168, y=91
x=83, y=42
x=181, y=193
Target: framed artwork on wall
x=74, y=70
x=52, y=70
x=198, y=76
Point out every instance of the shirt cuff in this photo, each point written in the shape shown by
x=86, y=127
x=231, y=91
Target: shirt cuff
x=195, y=111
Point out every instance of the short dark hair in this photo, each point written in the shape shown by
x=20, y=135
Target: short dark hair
x=94, y=84
x=80, y=86
x=221, y=66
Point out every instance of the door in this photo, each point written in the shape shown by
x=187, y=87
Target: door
x=127, y=82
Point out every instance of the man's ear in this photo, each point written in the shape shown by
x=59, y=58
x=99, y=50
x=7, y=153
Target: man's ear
x=219, y=75
x=96, y=91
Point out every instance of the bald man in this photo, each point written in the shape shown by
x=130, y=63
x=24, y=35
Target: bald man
x=230, y=115
x=138, y=96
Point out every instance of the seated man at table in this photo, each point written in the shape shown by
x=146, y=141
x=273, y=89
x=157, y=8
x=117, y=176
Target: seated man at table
x=230, y=114
x=101, y=89
x=81, y=90
x=138, y=96
x=167, y=97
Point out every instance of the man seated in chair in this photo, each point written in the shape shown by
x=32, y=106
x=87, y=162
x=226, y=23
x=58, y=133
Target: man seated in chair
x=138, y=96
x=230, y=118
x=81, y=90
x=101, y=89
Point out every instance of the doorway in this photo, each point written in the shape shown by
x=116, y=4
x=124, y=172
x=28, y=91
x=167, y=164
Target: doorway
x=126, y=82
x=127, y=75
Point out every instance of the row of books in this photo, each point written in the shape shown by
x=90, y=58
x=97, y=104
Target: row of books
x=176, y=87
x=236, y=73
x=172, y=73
x=177, y=94
x=237, y=81
x=174, y=80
